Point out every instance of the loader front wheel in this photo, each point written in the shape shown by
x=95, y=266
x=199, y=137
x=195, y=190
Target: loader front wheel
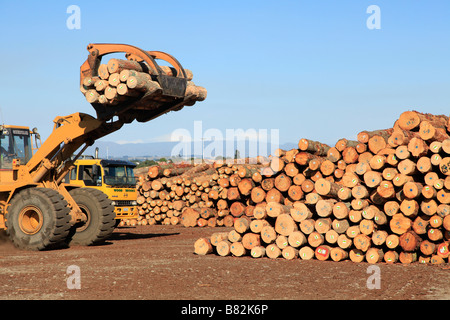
x=100, y=217
x=38, y=219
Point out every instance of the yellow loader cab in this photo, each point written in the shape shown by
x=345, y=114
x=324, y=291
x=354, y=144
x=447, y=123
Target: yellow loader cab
x=114, y=177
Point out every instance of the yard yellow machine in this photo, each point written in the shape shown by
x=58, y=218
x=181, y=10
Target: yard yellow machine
x=37, y=208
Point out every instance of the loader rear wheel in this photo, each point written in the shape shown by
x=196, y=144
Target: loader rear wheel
x=100, y=217
x=38, y=219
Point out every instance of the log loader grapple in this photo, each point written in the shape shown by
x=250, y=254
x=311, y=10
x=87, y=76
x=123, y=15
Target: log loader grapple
x=38, y=210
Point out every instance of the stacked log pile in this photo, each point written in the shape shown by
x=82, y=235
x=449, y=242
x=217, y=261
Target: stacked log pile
x=201, y=195
x=125, y=81
x=163, y=193
x=382, y=197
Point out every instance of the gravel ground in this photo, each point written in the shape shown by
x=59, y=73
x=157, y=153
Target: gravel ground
x=158, y=263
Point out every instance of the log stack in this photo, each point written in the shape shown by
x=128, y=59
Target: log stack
x=164, y=192
x=193, y=196
x=384, y=197
x=124, y=81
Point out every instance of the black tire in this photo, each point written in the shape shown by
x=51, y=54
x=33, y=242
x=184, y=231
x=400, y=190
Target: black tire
x=100, y=217
x=38, y=219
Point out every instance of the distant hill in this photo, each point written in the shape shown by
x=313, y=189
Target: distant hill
x=165, y=149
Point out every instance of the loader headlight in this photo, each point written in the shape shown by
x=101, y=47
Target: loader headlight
x=134, y=203
x=113, y=203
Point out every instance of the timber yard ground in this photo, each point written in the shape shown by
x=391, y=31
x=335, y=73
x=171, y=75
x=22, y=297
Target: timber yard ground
x=158, y=263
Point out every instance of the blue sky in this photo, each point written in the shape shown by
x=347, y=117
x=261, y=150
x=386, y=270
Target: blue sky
x=311, y=69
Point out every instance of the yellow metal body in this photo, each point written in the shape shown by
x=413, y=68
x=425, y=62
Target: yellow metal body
x=94, y=173
x=48, y=166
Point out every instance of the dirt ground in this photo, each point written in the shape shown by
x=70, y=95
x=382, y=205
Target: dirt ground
x=158, y=263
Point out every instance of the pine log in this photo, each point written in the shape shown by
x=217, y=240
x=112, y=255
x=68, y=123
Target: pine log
x=297, y=239
x=314, y=147
x=322, y=252
x=364, y=136
x=295, y=192
x=306, y=253
x=428, y=131
x=242, y=224
x=409, y=120
x=283, y=182
x=315, y=239
x=300, y=212
x=117, y=65
x=356, y=255
x=258, y=251
x=362, y=242
x=374, y=255
x=324, y=207
x=392, y=241
x=257, y=225
x=203, y=246
x=223, y=248
x=268, y=234
x=327, y=188
x=289, y=253
x=189, y=217
x=274, y=209
x=407, y=257
x=307, y=226
x=274, y=195
x=443, y=250
x=410, y=241
x=272, y=251
x=338, y=254
x=341, y=209
x=237, y=249
x=250, y=240
x=344, y=242
x=417, y=147
x=427, y=247
x=400, y=224
x=390, y=257
x=377, y=143
x=322, y=225
x=285, y=225
x=237, y=209
x=143, y=82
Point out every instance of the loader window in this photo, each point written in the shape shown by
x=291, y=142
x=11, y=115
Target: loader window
x=90, y=175
x=73, y=174
x=119, y=176
x=22, y=146
x=5, y=151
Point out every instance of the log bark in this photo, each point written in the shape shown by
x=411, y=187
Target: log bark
x=118, y=65
x=314, y=147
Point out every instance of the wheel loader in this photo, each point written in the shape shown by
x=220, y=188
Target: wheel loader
x=115, y=178
x=38, y=210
